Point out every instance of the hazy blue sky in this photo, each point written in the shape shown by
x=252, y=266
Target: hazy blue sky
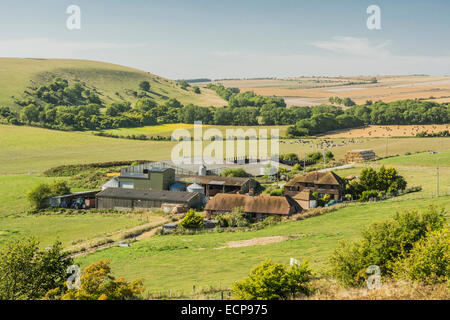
x=235, y=38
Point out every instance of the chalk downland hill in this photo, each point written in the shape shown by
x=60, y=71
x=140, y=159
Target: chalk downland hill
x=110, y=81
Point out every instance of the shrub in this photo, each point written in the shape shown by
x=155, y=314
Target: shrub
x=428, y=260
x=239, y=172
x=273, y=281
x=234, y=219
x=144, y=85
x=192, y=220
x=271, y=220
x=37, y=195
x=382, y=243
x=97, y=283
x=277, y=192
x=27, y=273
x=369, y=194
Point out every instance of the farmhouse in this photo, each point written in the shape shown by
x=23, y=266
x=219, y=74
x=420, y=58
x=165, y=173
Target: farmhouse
x=130, y=199
x=258, y=207
x=305, y=199
x=321, y=182
x=213, y=185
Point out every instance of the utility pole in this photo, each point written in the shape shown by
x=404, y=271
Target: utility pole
x=304, y=164
x=387, y=142
x=437, y=181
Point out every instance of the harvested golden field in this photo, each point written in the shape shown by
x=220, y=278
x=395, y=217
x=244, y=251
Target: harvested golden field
x=387, y=131
x=314, y=91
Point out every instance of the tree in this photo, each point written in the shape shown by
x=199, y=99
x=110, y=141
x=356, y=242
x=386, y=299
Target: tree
x=369, y=179
x=388, y=180
x=290, y=157
x=428, y=261
x=329, y=156
x=348, y=102
x=274, y=281
x=30, y=114
x=183, y=84
x=144, y=85
x=27, y=273
x=382, y=243
x=97, y=283
x=197, y=90
x=37, y=195
x=230, y=172
x=145, y=104
x=192, y=220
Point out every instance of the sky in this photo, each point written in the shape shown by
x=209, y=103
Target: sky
x=186, y=39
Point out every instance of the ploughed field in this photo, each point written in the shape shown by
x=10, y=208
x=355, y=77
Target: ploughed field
x=314, y=91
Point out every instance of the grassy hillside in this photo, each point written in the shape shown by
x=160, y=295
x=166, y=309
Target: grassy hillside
x=111, y=81
x=178, y=262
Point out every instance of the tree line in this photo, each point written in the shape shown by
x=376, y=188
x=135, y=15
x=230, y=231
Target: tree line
x=59, y=105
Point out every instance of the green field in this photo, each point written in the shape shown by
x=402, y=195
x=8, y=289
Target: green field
x=166, y=130
x=65, y=228
x=28, y=149
x=423, y=159
x=110, y=80
x=175, y=262
x=179, y=262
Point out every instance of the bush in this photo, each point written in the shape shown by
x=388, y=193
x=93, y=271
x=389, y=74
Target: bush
x=277, y=192
x=97, y=283
x=27, y=273
x=192, y=220
x=234, y=219
x=370, y=194
x=37, y=195
x=144, y=85
x=239, y=172
x=273, y=281
x=428, y=261
x=382, y=243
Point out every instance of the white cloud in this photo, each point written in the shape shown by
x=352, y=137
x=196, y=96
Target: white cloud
x=48, y=48
x=226, y=53
x=354, y=46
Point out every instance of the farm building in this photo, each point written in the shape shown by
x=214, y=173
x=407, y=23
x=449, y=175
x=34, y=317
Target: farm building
x=258, y=207
x=149, y=179
x=112, y=183
x=213, y=185
x=359, y=156
x=321, y=182
x=305, y=199
x=85, y=199
x=129, y=199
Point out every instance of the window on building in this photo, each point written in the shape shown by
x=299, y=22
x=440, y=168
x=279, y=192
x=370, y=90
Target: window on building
x=127, y=185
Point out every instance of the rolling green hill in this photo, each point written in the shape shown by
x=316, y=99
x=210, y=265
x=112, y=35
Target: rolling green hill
x=112, y=82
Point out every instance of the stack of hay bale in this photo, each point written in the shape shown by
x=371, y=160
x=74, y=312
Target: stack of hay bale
x=359, y=156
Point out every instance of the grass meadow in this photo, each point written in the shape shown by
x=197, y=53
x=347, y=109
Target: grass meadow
x=177, y=262
x=69, y=229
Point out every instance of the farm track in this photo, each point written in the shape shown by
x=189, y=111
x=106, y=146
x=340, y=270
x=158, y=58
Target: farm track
x=139, y=233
